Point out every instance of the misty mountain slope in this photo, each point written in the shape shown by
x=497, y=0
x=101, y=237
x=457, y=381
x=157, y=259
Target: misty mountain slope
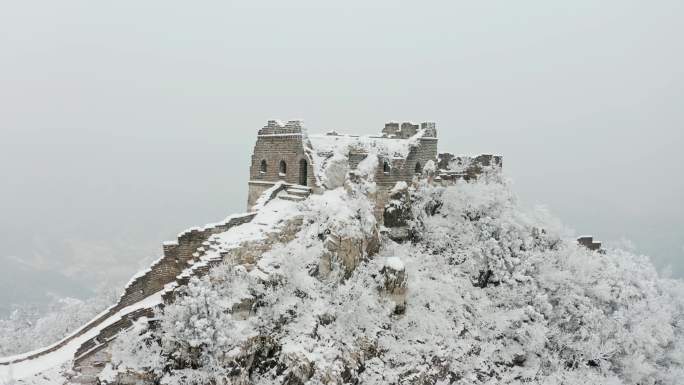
x=21, y=283
x=480, y=292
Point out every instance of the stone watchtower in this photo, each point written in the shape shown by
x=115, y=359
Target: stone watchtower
x=282, y=153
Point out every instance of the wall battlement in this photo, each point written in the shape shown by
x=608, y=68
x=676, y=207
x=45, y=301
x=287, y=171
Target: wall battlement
x=175, y=259
x=276, y=127
x=408, y=129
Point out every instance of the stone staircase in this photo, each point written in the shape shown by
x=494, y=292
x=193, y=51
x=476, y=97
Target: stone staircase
x=295, y=193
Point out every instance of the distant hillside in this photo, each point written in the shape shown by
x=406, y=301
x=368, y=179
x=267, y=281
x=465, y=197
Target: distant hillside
x=23, y=284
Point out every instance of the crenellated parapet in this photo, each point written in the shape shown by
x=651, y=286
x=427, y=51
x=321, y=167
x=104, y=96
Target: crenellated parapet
x=175, y=259
x=407, y=130
x=276, y=127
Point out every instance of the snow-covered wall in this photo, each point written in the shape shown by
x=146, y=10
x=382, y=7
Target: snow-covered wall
x=145, y=284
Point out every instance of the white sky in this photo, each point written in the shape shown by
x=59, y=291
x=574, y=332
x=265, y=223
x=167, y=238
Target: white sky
x=122, y=123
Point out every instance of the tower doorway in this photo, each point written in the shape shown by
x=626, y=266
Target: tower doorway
x=303, y=168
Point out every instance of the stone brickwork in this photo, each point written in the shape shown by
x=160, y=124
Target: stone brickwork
x=175, y=260
x=281, y=153
x=408, y=129
x=402, y=170
x=289, y=143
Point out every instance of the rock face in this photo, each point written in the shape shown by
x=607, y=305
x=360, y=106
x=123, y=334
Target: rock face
x=346, y=253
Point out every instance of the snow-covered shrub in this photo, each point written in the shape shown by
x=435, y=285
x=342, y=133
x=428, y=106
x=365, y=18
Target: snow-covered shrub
x=28, y=328
x=494, y=295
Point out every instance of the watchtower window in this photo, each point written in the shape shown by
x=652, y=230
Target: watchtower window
x=385, y=167
x=262, y=167
x=419, y=168
x=282, y=168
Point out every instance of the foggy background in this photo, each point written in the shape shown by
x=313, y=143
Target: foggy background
x=123, y=123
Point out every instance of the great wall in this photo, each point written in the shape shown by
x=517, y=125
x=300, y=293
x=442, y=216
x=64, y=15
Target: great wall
x=404, y=152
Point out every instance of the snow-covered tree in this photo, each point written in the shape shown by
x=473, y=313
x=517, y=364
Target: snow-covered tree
x=29, y=327
x=494, y=295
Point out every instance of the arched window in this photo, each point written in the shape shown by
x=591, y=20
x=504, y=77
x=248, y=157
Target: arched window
x=419, y=169
x=262, y=167
x=385, y=167
x=282, y=168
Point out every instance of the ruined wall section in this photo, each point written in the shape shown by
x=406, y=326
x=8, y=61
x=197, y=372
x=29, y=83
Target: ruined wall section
x=452, y=168
x=177, y=254
x=161, y=272
x=402, y=170
x=276, y=143
x=407, y=129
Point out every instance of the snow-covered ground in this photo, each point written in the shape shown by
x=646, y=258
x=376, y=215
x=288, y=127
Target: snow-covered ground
x=494, y=294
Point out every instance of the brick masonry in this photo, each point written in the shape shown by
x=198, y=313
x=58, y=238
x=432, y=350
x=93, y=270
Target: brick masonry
x=280, y=154
x=289, y=143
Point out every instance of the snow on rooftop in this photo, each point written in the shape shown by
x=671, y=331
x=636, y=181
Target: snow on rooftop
x=390, y=147
x=334, y=148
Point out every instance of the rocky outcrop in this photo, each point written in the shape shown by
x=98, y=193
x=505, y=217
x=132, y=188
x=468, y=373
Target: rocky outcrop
x=346, y=253
x=395, y=282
